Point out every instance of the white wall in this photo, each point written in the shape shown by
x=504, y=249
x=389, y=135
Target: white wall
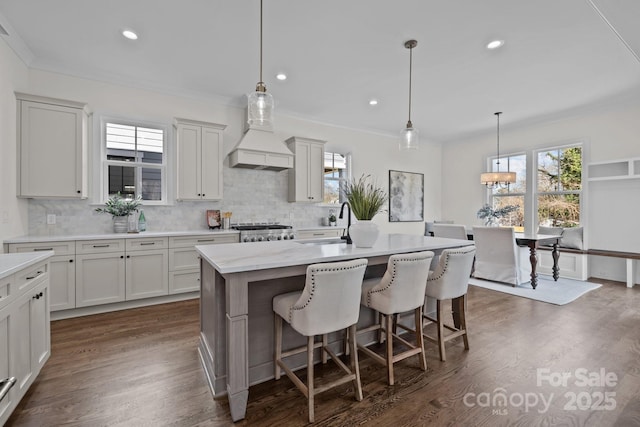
x=13, y=77
x=257, y=195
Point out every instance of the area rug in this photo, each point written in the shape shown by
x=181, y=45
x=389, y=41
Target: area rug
x=560, y=293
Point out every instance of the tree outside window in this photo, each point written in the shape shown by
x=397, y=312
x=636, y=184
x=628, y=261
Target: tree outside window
x=559, y=186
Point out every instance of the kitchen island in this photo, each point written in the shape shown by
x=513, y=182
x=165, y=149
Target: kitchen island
x=238, y=282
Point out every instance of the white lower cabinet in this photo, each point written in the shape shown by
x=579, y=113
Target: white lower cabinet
x=87, y=273
x=62, y=285
x=25, y=343
x=184, y=261
x=146, y=274
x=100, y=278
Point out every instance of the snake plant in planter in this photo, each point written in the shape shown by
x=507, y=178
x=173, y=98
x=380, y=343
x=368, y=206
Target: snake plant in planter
x=366, y=200
x=120, y=209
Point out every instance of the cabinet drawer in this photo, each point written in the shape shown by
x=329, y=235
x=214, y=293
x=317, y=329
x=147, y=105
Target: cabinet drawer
x=60, y=248
x=140, y=244
x=29, y=276
x=183, y=259
x=318, y=234
x=99, y=246
x=204, y=239
x=184, y=281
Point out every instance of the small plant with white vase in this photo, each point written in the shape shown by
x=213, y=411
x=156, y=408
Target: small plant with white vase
x=120, y=209
x=366, y=200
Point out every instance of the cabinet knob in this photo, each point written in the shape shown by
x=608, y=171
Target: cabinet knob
x=121, y=256
x=37, y=296
x=128, y=256
x=70, y=260
x=203, y=194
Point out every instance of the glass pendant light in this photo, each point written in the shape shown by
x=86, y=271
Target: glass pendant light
x=260, y=112
x=497, y=178
x=409, y=135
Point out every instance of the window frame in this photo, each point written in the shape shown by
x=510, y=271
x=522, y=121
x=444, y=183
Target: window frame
x=347, y=178
x=162, y=167
x=531, y=181
x=536, y=193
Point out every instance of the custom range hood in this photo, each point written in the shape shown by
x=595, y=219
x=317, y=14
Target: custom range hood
x=259, y=148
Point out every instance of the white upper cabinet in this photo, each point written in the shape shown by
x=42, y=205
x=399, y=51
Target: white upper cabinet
x=52, y=147
x=200, y=155
x=306, y=179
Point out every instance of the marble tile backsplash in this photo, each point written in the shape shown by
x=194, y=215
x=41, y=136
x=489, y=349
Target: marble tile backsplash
x=251, y=195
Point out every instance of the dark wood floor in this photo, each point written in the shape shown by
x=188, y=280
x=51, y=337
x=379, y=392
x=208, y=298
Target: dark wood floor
x=140, y=368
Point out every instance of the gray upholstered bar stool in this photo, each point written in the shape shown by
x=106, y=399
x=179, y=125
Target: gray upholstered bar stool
x=450, y=280
x=329, y=302
x=401, y=289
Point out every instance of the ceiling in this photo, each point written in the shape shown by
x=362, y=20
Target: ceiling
x=559, y=57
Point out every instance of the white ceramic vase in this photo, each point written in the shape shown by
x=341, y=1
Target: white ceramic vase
x=364, y=233
x=120, y=224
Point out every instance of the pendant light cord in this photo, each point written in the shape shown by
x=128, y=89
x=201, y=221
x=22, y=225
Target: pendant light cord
x=409, y=124
x=261, y=42
x=498, y=140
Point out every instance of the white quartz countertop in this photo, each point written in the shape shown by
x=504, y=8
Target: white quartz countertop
x=143, y=235
x=10, y=263
x=239, y=257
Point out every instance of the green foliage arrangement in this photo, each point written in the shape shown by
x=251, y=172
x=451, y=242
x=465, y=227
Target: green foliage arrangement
x=364, y=197
x=491, y=215
x=117, y=206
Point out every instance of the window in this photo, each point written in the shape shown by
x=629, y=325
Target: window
x=134, y=161
x=513, y=194
x=336, y=174
x=559, y=186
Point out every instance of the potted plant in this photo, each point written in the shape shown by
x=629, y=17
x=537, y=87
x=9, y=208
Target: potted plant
x=492, y=216
x=120, y=209
x=366, y=200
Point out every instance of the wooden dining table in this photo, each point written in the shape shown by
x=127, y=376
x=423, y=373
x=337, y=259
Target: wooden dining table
x=533, y=241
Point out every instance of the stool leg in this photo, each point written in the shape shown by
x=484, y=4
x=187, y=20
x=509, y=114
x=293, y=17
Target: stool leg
x=389, y=330
x=347, y=349
x=323, y=354
x=381, y=323
x=278, y=338
x=462, y=301
x=310, y=391
x=440, y=330
x=420, y=338
x=355, y=367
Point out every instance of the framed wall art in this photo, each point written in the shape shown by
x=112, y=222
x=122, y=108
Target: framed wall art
x=406, y=196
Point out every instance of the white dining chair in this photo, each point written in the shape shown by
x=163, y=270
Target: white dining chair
x=329, y=302
x=498, y=257
x=451, y=231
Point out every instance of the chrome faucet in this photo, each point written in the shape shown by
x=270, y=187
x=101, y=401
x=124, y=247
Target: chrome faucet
x=348, y=236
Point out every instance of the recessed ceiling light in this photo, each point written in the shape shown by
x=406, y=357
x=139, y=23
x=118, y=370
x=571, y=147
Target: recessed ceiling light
x=495, y=44
x=373, y=102
x=130, y=35
x=281, y=76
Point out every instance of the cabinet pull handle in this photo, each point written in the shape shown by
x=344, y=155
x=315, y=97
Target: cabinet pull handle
x=206, y=240
x=6, y=385
x=37, y=296
x=101, y=246
x=318, y=234
x=42, y=249
x=147, y=243
x=36, y=275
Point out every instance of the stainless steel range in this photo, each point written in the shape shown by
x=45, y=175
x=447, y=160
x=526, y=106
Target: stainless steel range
x=264, y=232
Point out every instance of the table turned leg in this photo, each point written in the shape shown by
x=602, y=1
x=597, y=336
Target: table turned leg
x=533, y=258
x=556, y=255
